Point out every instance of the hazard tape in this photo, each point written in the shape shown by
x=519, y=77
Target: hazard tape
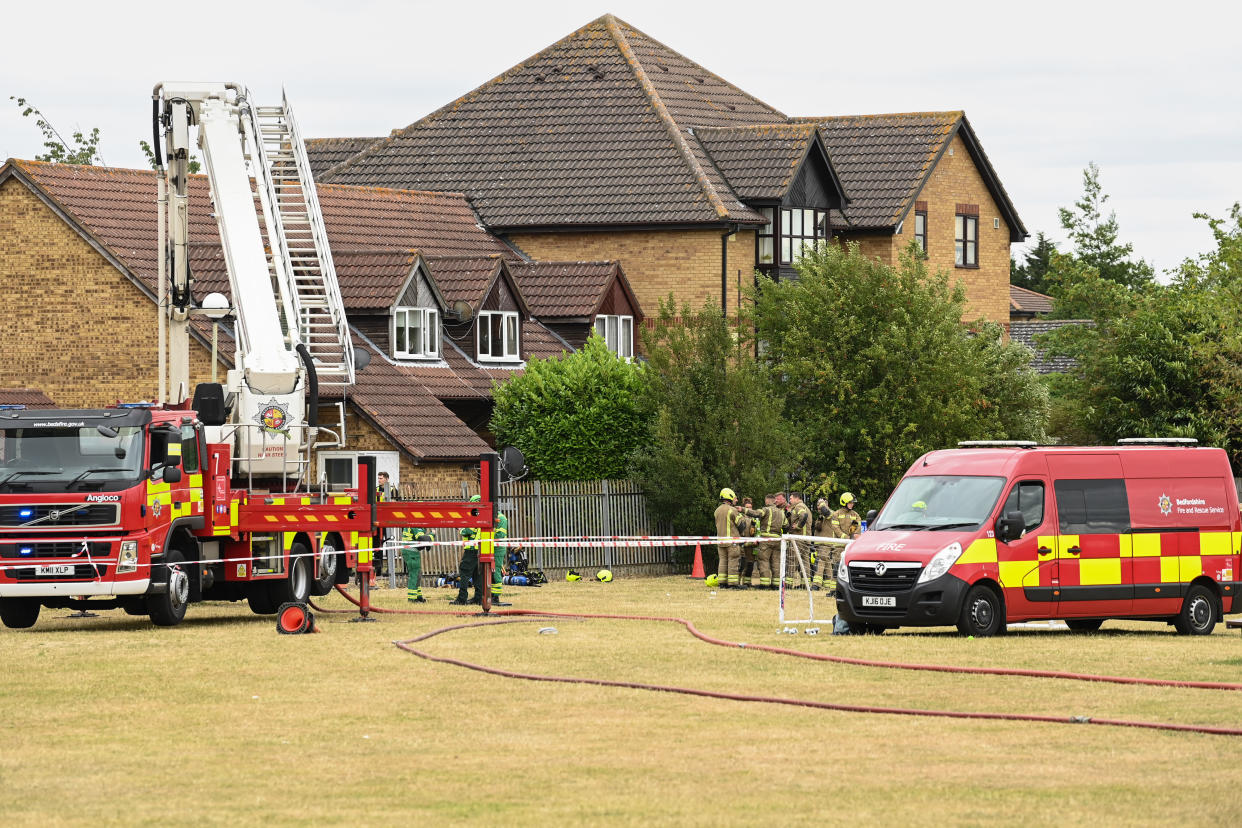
x=548, y=542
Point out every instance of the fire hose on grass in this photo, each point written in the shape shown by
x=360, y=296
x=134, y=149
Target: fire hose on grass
x=531, y=616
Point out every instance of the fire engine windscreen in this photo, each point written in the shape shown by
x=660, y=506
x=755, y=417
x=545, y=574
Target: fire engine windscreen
x=940, y=502
x=75, y=457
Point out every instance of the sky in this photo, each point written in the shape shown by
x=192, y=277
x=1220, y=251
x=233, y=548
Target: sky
x=1152, y=93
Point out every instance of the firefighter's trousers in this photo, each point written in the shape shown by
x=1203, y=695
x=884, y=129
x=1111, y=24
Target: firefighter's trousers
x=767, y=558
x=730, y=564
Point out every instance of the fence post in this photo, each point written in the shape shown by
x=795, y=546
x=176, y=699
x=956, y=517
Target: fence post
x=606, y=493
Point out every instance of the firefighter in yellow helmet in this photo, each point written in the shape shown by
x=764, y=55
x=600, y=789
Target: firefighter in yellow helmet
x=845, y=521
x=729, y=558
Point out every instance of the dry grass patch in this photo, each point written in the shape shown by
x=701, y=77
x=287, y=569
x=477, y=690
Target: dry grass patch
x=221, y=720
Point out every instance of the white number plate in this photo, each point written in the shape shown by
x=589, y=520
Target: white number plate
x=54, y=569
x=879, y=600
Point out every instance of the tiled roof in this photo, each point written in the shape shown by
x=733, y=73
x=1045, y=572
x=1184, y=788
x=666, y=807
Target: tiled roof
x=1025, y=301
x=396, y=400
x=1026, y=331
x=883, y=159
x=29, y=397
x=326, y=153
x=464, y=278
x=758, y=161
x=371, y=278
x=117, y=208
x=564, y=289
x=586, y=132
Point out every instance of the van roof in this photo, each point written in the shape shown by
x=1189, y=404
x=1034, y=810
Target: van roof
x=1144, y=460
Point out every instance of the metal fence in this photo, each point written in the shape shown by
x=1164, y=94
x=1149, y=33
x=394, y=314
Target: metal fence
x=569, y=509
x=583, y=508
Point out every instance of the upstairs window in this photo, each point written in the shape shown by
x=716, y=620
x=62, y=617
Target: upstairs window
x=498, y=336
x=617, y=333
x=966, y=236
x=416, y=333
x=766, y=238
x=801, y=228
x=920, y=230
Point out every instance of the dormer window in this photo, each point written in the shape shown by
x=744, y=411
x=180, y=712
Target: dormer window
x=416, y=333
x=498, y=336
x=617, y=333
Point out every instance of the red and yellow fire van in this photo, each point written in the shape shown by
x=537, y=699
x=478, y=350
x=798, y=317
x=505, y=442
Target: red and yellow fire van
x=998, y=532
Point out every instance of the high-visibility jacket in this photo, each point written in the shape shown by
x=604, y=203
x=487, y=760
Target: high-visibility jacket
x=772, y=524
x=799, y=520
x=846, y=523
x=726, y=520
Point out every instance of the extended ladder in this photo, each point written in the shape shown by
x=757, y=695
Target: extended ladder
x=300, y=259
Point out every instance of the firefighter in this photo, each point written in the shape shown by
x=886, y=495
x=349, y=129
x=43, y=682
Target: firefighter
x=726, y=527
x=826, y=555
x=746, y=528
x=845, y=521
x=502, y=532
x=799, y=524
x=771, y=524
x=468, y=571
x=413, y=557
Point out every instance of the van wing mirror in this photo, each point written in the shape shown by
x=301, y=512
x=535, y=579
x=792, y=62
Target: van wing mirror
x=870, y=518
x=1009, y=527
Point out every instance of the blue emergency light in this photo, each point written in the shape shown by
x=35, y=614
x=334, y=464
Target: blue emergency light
x=12, y=407
x=26, y=550
x=137, y=405
x=25, y=513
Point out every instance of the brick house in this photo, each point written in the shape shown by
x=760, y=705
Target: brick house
x=78, y=256
x=610, y=145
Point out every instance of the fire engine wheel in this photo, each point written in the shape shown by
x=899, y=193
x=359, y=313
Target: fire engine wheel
x=260, y=598
x=983, y=614
x=1198, y=615
x=296, y=588
x=167, y=608
x=1083, y=625
x=19, y=613
x=328, y=563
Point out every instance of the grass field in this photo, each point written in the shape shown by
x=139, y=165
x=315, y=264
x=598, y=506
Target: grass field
x=222, y=721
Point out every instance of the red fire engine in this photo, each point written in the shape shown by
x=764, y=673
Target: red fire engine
x=150, y=507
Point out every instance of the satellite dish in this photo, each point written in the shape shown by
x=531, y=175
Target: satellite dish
x=462, y=310
x=513, y=462
x=362, y=358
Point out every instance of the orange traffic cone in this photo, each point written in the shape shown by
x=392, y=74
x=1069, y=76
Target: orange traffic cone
x=697, y=570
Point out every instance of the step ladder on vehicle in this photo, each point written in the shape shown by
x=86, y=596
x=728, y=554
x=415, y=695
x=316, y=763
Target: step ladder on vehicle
x=307, y=286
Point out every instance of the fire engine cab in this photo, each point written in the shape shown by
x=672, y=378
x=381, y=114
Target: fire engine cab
x=997, y=532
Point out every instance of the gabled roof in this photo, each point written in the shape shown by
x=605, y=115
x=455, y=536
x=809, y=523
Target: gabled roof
x=587, y=132
x=326, y=153
x=1028, y=302
x=761, y=162
x=569, y=290
x=885, y=161
x=470, y=278
x=29, y=397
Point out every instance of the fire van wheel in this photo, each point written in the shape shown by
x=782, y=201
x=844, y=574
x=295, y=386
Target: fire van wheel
x=982, y=613
x=328, y=563
x=1198, y=615
x=19, y=613
x=260, y=598
x=167, y=608
x=296, y=588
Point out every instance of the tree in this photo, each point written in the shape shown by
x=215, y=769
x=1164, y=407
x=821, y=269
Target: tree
x=576, y=417
x=717, y=420
x=1095, y=237
x=1032, y=273
x=877, y=368
x=85, y=147
x=1165, y=361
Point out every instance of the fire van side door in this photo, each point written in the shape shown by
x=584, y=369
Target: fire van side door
x=1094, y=548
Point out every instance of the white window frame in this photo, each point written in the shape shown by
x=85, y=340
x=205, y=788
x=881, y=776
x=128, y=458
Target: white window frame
x=511, y=336
x=429, y=344
x=617, y=331
x=389, y=461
